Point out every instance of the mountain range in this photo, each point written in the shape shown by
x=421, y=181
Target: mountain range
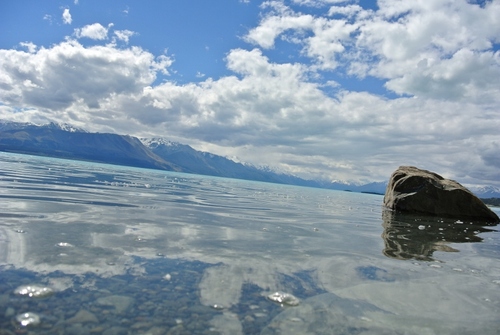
x=66, y=141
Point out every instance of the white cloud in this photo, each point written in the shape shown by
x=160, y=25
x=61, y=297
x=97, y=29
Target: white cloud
x=48, y=17
x=327, y=40
x=272, y=26
x=318, y=3
x=68, y=75
x=124, y=35
x=435, y=49
x=66, y=16
x=439, y=49
x=94, y=31
x=349, y=10
x=467, y=75
x=29, y=45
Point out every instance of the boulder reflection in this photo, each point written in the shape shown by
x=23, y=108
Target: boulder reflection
x=409, y=236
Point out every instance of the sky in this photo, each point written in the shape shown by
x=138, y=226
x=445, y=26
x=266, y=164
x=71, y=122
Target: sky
x=323, y=89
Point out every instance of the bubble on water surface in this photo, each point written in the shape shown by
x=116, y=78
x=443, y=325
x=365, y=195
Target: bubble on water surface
x=217, y=307
x=284, y=298
x=28, y=319
x=421, y=227
x=34, y=291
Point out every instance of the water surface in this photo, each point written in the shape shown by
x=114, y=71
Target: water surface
x=137, y=251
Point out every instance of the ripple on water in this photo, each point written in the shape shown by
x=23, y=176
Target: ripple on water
x=34, y=291
x=28, y=319
x=284, y=298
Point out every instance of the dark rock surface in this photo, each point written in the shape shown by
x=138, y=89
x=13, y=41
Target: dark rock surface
x=414, y=190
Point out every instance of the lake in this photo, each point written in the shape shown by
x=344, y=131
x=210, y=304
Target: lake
x=91, y=248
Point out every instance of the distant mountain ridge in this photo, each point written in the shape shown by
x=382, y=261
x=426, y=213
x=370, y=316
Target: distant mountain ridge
x=66, y=141
x=193, y=161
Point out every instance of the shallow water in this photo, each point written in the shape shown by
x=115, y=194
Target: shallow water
x=134, y=251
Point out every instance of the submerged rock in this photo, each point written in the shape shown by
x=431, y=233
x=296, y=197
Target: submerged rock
x=83, y=316
x=118, y=302
x=413, y=190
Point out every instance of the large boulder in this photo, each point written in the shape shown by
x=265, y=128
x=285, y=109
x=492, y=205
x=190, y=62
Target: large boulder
x=413, y=190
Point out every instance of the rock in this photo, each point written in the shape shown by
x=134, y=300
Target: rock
x=118, y=302
x=9, y=312
x=156, y=331
x=83, y=316
x=115, y=331
x=413, y=190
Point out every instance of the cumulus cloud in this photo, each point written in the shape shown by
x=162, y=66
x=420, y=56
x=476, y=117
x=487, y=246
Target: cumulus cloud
x=439, y=49
x=271, y=27
x=66, y=16
x=124, y=35
x=433, y=49
x=31, y=47
x=69, y=74
x=94, y=31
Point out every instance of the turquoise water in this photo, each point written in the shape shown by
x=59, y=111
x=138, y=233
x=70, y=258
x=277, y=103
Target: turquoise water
x=98, y=249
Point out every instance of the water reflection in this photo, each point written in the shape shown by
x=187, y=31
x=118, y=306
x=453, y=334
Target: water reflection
x=408, y=236
x=166, y=253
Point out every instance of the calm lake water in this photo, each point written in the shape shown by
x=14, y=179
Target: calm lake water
x=98, y=249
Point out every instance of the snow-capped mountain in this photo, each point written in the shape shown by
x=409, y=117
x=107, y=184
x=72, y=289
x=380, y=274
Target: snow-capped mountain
x=193, y=161
x=65, y=141
x=157, y=141
x=7, y=125
x=486, y=191
x=66, y=127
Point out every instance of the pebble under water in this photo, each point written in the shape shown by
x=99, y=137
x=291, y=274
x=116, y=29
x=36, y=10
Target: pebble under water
x=97, y=249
